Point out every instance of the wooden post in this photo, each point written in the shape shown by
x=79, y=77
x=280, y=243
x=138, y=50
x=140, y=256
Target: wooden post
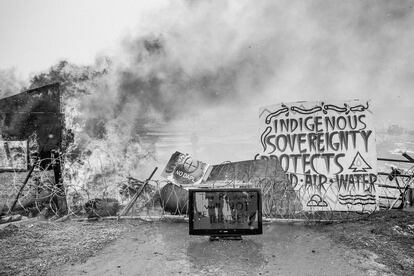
x=60, y=196
x=408, y=157
x=22, y=187
x=135, y=197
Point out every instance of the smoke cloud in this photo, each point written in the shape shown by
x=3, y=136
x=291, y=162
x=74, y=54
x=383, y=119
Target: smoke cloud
x=205, y=54
x=218, y=61
x=195, y=74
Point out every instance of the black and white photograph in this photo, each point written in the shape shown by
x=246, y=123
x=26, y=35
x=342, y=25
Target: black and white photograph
x=207, y=137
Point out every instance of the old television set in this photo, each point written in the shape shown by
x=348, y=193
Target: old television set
x=225, y=213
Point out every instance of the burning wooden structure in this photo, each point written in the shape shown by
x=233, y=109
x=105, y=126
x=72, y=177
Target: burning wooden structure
x=31, y=131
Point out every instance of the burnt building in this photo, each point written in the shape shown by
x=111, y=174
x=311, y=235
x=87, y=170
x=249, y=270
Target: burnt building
x=34, y=116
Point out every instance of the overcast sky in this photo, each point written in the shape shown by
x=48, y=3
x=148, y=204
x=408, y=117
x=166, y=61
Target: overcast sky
x=36, y=34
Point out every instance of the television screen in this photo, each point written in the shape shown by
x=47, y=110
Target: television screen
x=225, y=212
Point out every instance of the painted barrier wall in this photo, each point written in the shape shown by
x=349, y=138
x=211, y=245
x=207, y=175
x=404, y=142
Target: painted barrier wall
x=327, y=150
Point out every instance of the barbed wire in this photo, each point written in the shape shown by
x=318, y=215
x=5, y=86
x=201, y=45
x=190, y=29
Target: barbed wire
x=279, y=198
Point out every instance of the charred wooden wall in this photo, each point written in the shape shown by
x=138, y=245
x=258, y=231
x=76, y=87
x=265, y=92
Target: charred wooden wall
x=34, y=115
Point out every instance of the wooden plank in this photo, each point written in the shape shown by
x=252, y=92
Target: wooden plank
x=397, y=175
x=395, y=160
x=408, y=157
x=21, y=188
x=135, y=197
x=388, y=186
x=10, y=219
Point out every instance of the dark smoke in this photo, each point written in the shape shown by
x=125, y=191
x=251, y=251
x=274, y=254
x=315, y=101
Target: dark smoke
x=166, y=88
x=227, y=53
x=219, y=61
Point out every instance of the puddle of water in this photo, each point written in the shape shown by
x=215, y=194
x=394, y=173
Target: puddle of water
x=167, y=249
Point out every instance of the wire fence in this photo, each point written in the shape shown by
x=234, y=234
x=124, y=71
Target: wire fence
x=96, y=189
x=395, y=180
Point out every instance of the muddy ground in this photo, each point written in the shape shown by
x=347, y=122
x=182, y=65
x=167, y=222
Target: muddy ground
x=379, y=245
x=387, y=234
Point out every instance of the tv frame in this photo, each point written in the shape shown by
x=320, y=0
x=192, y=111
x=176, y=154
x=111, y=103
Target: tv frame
x=224, y=232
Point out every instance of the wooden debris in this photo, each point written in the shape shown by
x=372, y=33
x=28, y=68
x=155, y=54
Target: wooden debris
x=64, y=218
x=102, y=207
x=21, y=188
x=8, y=219
x=146, y=218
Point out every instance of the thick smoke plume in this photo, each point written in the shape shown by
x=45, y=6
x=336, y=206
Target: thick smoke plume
x=202, y=54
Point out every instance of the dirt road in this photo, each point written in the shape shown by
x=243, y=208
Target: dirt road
x=167, y=249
